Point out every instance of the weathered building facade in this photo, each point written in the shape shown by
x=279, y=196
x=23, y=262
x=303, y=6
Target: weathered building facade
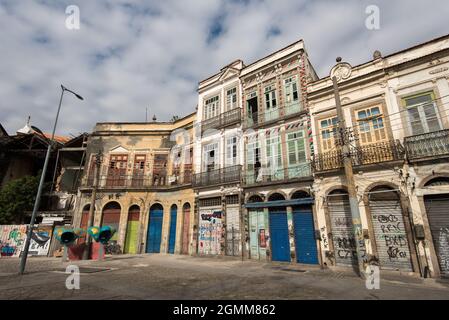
x=395, y=109
x=257, y=170
x=143, y=186
x=277, y=173
x=218, y=163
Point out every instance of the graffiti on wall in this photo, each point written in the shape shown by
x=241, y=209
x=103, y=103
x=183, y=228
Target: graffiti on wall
x=12, y=239
x=40, y=241
x=443, y=251
x=324, y=237
x=211, y=237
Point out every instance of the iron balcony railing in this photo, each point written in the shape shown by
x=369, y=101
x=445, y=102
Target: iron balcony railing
x=259, y=118
x=363, y=155
x=427, y=145
x=223, y=120
x=218, y=176
x=266, y=174
x=138, y=181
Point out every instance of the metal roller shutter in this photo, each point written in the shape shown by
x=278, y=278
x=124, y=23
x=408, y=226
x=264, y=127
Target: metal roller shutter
x=280, y=245
x=391, y=238
x=437, y=208
x=342, y=231
x=305, y=243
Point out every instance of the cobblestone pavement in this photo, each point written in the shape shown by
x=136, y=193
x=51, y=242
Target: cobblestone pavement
x=184, y=277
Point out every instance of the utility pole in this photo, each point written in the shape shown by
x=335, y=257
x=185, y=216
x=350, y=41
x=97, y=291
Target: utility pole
x=347, y=162
x=90, y=223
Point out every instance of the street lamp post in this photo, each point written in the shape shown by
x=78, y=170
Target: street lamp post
x=24, y=256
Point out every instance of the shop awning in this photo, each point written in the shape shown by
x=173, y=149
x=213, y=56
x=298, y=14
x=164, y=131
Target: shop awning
x=280, y=203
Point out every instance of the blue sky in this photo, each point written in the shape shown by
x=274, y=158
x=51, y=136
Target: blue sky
x=132, y=55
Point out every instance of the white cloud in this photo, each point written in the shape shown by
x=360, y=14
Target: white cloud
x=129, y=55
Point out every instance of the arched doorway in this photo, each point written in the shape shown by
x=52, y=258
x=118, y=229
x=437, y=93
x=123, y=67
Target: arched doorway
x=185, y=228
x=84, y=223
x=132, y=229
x=304, y=231
x=342, y=228
x=172, y=231
x=389, y=229
x=154, y=234
x=111, y=217
x=437, y=209
x=280, y=244
x=258, y=224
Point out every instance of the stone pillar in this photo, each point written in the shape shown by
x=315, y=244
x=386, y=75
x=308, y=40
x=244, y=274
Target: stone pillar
x=291, y=234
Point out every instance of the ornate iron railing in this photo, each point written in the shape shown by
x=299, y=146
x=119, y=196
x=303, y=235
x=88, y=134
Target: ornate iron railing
x=266, y=174
x=223, y=120
x=259, y=118
x=427, y=145
x=364, y=155
x=138, y=181
x=218, y=176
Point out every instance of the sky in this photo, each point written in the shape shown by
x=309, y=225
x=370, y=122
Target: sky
x=128, y=56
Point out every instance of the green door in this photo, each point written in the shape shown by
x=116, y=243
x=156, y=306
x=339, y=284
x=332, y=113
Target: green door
x=132, y=230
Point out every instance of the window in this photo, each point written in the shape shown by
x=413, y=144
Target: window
x=291, y=96
x=138, y=170
x=253, y=163
x=296, y=148
x=160, y=169
x=271, y=110
x=210, y=156
x=252, y=108
x=117, y=170
x=270, y=98
x=422, y=113
x=291, y=91
x=139, y=164
x=211, y=107
x=328, y=130
x=274, y=155
x=118, y=163
x=231, y=99
x=371, y=125
x=231, y=151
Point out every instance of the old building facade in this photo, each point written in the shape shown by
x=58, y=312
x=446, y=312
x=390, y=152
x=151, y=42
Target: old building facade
x=395, y=111
x=143, y=186
x=258, y=170
x=218, y=163
x=277, y=173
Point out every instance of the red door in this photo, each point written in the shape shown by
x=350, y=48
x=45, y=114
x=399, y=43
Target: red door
x=83, y=224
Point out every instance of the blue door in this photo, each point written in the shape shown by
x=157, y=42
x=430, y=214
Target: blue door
x=280, y=245
x=155, y=229
x=305, y=243
x=172, y=234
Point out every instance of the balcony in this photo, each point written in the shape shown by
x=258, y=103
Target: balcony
x=260, y=118
x=223, y=120
x=265, y=175
x=217, y=176
x=427, y=146
x=138, y=181
x=364, y=155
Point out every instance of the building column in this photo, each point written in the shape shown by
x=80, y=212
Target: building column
x=291, y=234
